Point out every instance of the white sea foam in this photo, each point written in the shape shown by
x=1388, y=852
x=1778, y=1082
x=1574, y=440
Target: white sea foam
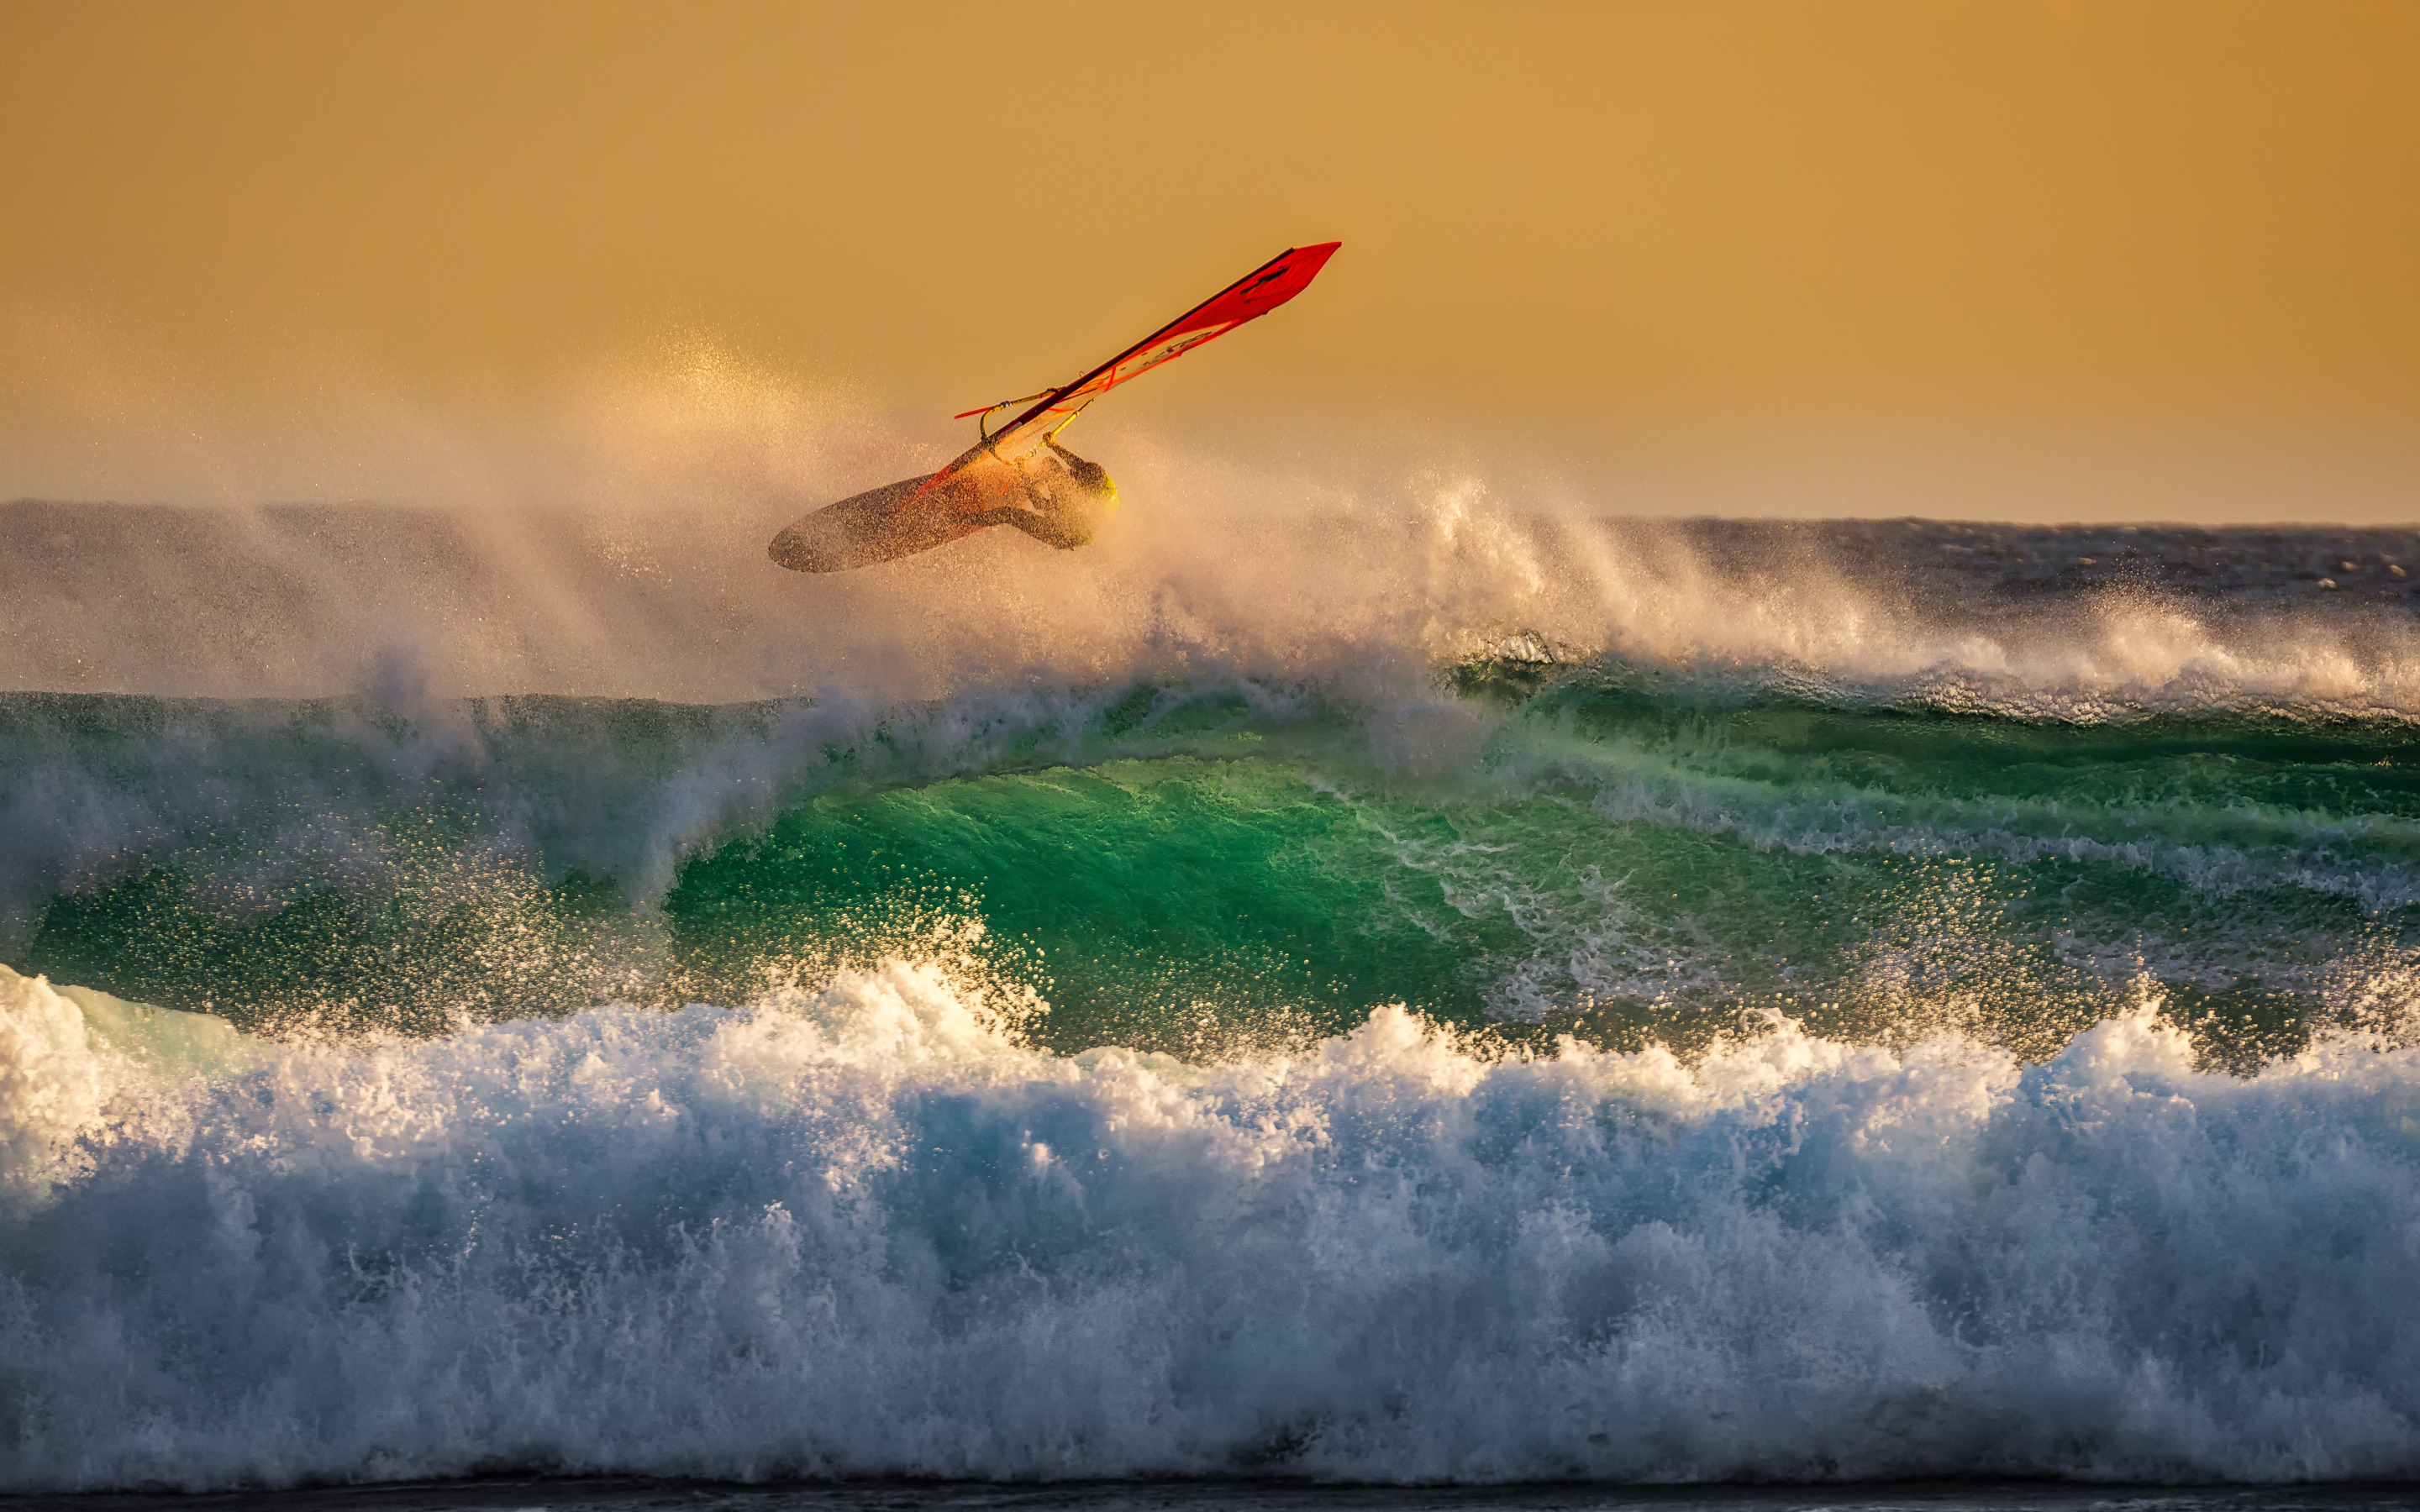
x=861, y=1230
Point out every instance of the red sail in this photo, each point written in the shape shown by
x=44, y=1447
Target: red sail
x=1248, y=297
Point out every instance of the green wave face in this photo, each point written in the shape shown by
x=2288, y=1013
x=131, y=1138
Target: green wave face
x=1204, y=870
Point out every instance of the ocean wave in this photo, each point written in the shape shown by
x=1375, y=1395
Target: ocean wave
x=1369, y=971
x=1533, y=852
x=866, y=1230
x=1359, y=581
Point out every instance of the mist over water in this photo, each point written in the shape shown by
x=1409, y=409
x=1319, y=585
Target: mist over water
x=1372, y=974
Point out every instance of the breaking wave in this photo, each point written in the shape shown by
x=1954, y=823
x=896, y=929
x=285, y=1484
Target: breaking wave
x=1389, y=979
x=867, y=1231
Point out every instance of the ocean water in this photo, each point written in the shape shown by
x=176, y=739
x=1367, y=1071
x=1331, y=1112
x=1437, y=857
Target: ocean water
x=1431, y=995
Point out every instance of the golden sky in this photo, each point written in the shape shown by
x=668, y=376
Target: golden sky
x=1662, y=212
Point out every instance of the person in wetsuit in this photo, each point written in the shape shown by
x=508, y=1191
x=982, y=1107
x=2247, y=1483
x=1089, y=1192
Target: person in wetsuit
x=1066, y=498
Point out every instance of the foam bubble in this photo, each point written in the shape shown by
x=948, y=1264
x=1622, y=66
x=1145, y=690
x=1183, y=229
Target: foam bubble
x=866, y=1230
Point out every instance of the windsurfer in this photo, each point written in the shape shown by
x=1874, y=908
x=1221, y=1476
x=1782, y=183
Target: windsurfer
x=1064, y=498
x=1019, y=474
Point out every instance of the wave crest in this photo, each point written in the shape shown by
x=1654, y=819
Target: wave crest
x=866, y=1230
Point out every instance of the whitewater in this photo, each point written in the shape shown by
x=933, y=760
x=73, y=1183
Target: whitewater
x=1364, y=976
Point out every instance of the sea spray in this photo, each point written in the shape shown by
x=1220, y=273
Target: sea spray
x=865, y=1231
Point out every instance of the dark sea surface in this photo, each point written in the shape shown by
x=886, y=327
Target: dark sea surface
x=1592, y=1004
x=603, y=1495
